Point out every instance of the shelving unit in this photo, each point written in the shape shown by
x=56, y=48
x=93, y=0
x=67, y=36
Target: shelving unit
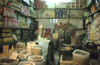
x=94, y=12
x=19, y=13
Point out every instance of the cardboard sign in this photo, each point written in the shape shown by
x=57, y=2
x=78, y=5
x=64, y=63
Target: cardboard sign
x=14, y=56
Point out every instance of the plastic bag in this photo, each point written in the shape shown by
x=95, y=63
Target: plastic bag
x=26, y=63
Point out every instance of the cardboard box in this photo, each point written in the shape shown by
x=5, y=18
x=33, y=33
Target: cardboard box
x=66, y=26
x=65, y=62
x=6, y=49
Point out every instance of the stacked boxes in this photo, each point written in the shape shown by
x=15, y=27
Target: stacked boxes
x=38, y=3
x=69, y=5
x=61, y=13
x=76, y=4
x=5, y=49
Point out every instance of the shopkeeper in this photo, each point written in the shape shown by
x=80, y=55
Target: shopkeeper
x=75, y=39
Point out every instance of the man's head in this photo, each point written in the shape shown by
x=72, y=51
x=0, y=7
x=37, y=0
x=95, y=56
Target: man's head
x=71, y=30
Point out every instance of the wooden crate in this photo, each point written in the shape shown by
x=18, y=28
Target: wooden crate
x=66, y=62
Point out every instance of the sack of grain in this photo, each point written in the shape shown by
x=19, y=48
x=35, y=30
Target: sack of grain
x=7, y=61
x=36, y=51
x=26, y=63
x=20, y=46
x=81, y=57
x=24, y=54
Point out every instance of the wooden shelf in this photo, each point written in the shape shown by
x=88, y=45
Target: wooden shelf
x=94, y=12
x=15, y=28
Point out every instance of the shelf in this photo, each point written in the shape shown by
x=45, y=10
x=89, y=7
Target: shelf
x=76, y=18
x=16, y=28
x=8, y=43
x=51, y=28
x=26, y=3
x=62, y=8
x=94, y=12
x=61, y=18
x=80, y=29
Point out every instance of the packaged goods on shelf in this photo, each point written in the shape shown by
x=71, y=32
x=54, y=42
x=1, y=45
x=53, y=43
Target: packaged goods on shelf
x=32, y=12
x=7, y=39
x=23, y=25
x=6, y=30
x=82, y=6
x=76, y=15
x=6, y=34
x=25, y=11
x=40, y=13
x=8, y=12
x=36, y=14
x=48, y=13
x=61, y=13
x=14, y=5
x=10, y=22
x=17, y=32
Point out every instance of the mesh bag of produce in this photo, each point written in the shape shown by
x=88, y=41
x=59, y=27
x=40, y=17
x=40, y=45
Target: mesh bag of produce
x=81, y=57
x=26, y=63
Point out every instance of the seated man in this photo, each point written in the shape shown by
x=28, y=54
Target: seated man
x=75, y=39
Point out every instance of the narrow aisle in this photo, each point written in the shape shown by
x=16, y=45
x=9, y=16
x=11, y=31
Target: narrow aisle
x=56, y=58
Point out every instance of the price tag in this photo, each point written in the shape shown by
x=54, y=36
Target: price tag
x=14, y=56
